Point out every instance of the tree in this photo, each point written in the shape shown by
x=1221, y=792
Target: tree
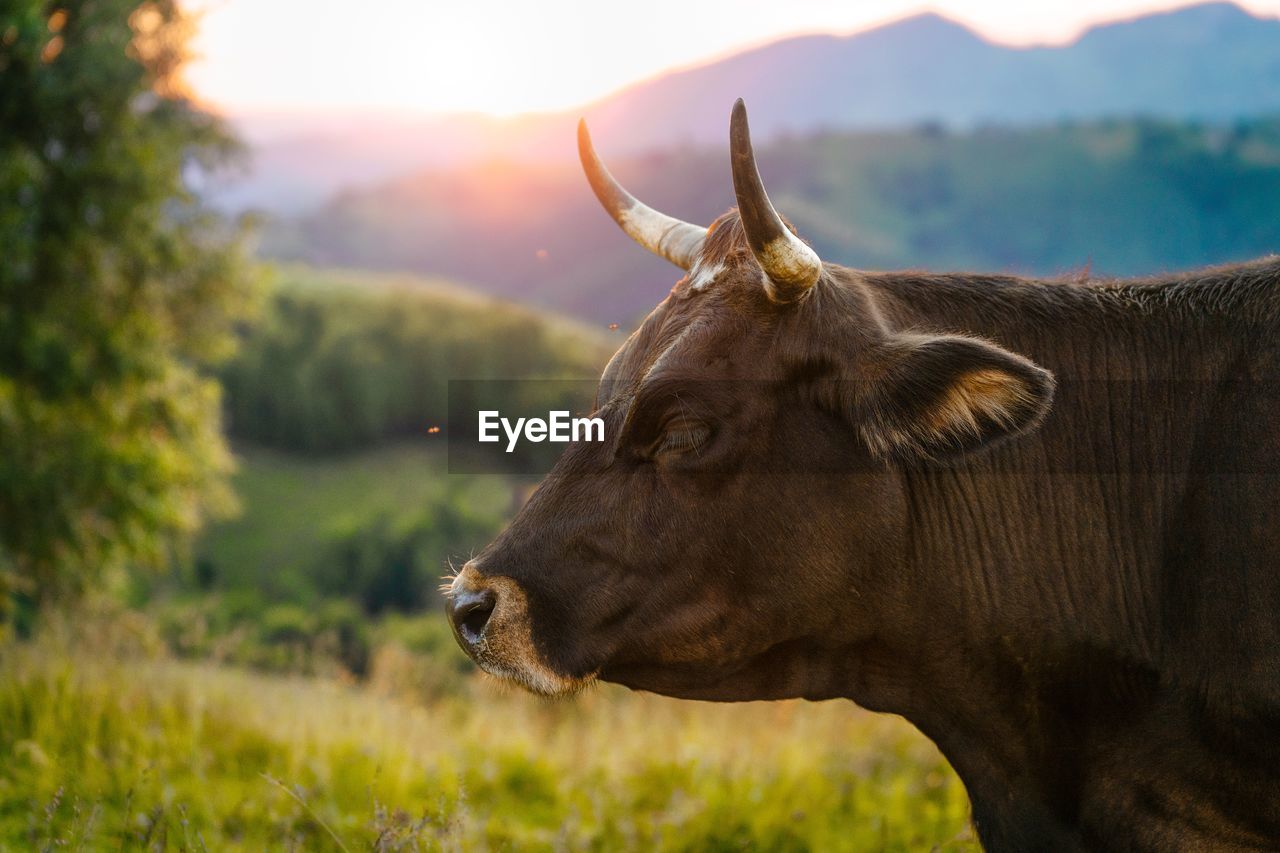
x=117, y=291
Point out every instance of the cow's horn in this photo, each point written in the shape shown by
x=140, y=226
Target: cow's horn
x=791, y=266
x=673, y=239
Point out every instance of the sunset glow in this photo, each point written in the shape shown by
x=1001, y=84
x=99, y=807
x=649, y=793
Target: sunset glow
x=504, y=58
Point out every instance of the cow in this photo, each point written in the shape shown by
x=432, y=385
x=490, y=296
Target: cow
x=1039, y=519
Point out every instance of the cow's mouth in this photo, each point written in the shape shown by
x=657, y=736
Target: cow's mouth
x=489, y=615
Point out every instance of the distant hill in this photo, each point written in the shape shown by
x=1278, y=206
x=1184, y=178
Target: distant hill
x=1118, y=197
x=1211, y=62
x=339, y=360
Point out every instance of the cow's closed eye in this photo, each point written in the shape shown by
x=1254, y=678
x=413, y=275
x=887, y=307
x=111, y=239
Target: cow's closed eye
x=667, y=422
x=680, y=436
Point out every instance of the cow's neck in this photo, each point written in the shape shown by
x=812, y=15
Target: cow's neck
x=1059, y=534
x=1045, y=557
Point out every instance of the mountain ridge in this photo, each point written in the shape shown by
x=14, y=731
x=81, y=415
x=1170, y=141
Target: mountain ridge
x=1210, y=62
x=1122, y=198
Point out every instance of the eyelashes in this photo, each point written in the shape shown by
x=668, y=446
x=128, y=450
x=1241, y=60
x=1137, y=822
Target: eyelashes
x=682, y=438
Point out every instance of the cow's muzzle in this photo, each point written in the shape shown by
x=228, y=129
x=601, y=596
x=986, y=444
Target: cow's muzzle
x=489, y=615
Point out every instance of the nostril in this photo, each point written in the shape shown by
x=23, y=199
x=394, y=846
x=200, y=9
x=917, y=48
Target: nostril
x=477, y=616
x=471, y=613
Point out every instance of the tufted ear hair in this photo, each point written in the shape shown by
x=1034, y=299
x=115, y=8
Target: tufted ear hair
x=940, y=397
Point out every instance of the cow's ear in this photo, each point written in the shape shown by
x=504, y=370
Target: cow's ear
x=938, y=397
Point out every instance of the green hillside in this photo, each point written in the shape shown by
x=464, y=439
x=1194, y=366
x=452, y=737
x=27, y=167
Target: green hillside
x=338, y=404
x=296, y=510
x=349, y=512
x=341, y=360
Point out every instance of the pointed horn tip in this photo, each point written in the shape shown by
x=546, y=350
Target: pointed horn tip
x=783, y=256
x=663, y=235
x=739, y=129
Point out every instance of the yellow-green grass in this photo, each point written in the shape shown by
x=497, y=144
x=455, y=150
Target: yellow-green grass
x=110, y=754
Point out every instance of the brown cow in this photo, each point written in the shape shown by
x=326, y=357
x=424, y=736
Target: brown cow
x=822, y=482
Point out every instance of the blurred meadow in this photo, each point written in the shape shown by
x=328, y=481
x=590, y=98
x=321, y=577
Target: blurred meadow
x=134, y=751
x=226, y=344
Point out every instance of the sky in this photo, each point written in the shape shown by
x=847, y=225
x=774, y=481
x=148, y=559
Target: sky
x=505, y=58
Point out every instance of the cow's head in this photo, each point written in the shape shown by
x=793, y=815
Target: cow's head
x=741, y=532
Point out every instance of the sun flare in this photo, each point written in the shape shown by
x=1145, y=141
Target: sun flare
x=504, y=58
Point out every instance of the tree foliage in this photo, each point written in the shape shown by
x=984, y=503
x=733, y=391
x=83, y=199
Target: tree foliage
x=116, y=289
x=340, y=362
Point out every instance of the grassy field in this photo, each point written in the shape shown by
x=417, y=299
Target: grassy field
x=103, y=752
